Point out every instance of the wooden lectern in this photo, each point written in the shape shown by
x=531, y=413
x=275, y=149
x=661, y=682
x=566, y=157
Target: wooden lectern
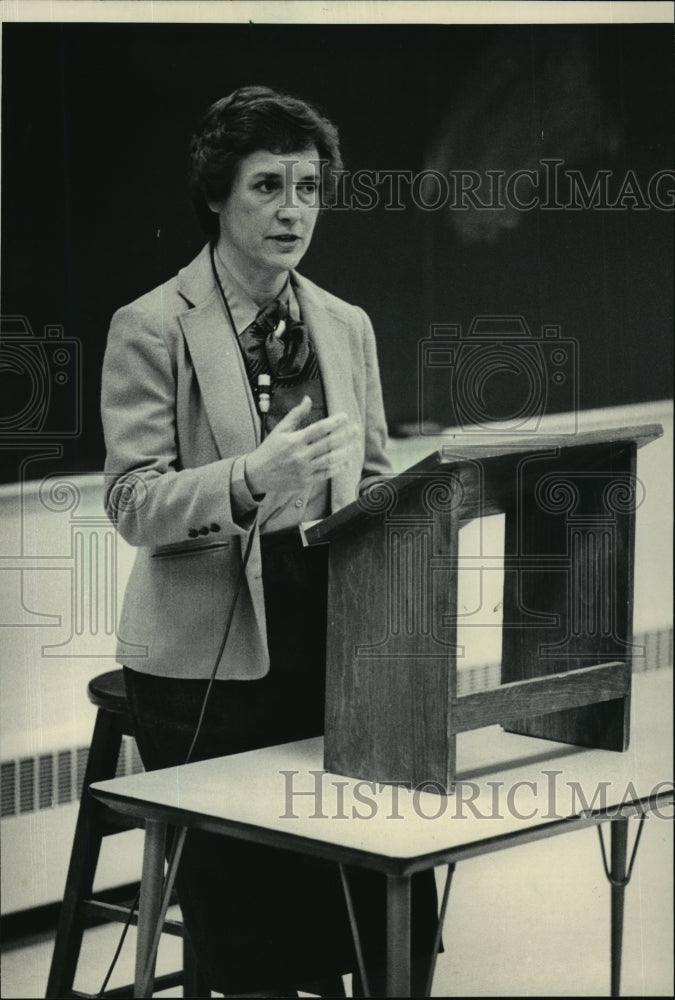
x=392, y=710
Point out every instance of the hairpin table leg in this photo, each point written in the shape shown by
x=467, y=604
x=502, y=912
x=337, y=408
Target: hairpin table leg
x=356, y=936
x=439, y=928
x=618, y=873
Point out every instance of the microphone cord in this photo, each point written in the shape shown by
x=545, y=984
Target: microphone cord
x=263, y=395
x=180, y=832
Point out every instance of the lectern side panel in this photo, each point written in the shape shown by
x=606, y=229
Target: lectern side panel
x=395, y=731
x=568, y=590
x=392, y=604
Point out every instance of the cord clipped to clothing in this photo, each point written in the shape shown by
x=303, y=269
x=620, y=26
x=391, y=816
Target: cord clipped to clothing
x=263, y=393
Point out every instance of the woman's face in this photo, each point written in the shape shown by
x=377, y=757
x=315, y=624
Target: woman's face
x=266, y=223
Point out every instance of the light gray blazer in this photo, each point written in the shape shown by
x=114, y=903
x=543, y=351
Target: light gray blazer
x=177, y=410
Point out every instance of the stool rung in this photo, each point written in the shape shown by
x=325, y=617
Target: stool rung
x=161, y=983
x=119, y=912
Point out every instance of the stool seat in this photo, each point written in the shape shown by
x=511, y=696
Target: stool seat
x=107, y=691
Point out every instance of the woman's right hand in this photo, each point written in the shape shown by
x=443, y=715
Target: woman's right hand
x=290, y=458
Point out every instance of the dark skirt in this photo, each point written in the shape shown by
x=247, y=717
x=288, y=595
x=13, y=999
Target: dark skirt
x=259, y=917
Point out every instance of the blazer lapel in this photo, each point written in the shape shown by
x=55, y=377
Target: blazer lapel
x=219, y=366
x=333, y=354
x=332, y=348
x=217, y=360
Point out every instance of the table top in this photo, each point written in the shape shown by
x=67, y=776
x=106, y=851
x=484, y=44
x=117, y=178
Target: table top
x=510, y=789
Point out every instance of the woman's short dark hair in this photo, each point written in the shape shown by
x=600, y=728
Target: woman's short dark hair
x=250, y=119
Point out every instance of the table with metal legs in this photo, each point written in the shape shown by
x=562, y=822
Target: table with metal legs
x=280, y=796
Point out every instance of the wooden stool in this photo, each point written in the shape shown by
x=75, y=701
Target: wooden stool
x=94, y=822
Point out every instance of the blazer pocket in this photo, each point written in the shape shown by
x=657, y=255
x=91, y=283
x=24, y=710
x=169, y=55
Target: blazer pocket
x=189, y=550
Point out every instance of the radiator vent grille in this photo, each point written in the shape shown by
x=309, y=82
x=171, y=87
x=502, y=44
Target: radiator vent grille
x=55, y=779
x=8, y=789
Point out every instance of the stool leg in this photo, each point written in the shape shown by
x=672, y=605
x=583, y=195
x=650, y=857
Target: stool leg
x=195, y=985
x=101, y=764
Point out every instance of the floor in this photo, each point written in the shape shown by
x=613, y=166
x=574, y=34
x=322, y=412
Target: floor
x=531, y=921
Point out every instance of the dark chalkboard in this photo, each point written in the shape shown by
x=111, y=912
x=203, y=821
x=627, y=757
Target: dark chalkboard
x=573, y=301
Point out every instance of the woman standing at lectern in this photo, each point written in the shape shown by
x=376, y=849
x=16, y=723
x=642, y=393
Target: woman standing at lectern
x=204, y=482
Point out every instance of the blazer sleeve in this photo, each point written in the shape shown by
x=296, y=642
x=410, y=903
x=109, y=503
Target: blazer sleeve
x=149, y=496
x=375, y=462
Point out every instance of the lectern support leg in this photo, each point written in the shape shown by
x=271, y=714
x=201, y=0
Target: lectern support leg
x=398, y=935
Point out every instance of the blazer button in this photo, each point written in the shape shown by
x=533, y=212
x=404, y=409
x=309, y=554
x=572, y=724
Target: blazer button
x=203, y=530
x=215, y=527
x=299, y=502
x=193, y=533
